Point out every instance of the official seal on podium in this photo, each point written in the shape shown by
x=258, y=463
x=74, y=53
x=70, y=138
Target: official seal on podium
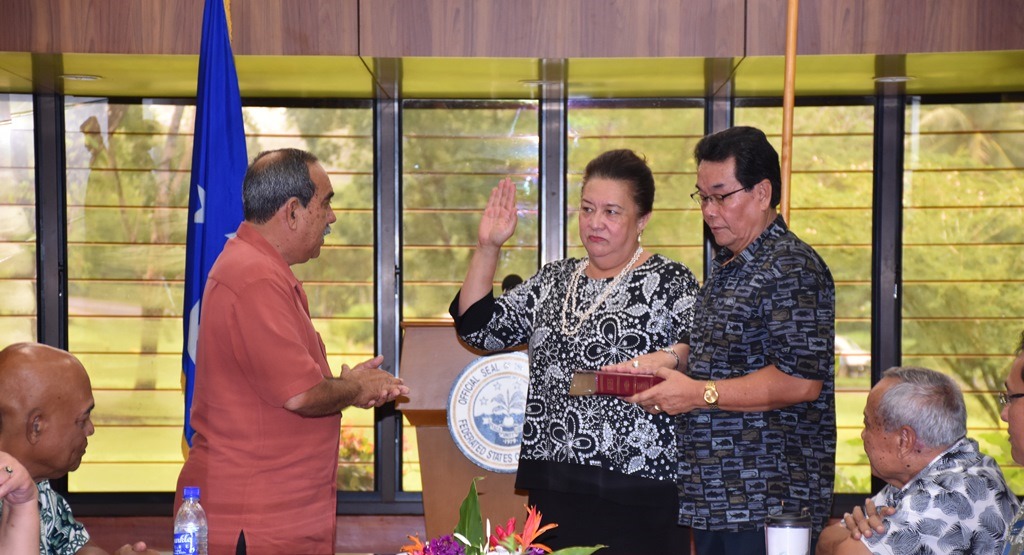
x=486, y=406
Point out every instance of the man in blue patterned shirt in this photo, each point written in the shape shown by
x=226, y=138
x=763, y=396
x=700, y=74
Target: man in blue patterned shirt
x=45, y=422
x=942, y=496
x=758, y=435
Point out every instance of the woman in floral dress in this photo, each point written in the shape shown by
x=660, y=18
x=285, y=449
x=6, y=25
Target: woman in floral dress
x=601, y=468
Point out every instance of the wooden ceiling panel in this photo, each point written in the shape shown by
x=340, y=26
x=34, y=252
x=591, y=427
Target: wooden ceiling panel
x=551, y=29
x=296, y=27
x=828, y=27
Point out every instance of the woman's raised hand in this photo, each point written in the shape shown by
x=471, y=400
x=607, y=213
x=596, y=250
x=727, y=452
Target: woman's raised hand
x=499, y=220
x=496, y=226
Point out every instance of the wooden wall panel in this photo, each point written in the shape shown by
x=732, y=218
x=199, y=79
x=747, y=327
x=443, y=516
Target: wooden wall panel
x=296, y=27
x=259, y=27
x=119, y=26
x=519, y=28
x=887, y=26
x=101, y=26
x=25, y=26
x=551, y=29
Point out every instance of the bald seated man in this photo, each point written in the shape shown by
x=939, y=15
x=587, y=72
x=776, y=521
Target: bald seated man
x=45, y=423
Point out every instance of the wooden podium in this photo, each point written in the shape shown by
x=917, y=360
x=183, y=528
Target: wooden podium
x=432, y=358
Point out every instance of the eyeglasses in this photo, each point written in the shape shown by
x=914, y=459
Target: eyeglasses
x=1006, y=398
x=717, y=200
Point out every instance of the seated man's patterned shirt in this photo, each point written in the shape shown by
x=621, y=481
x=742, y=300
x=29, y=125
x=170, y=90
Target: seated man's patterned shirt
x=1014, y=540
x=59, y=532
x=958, y=505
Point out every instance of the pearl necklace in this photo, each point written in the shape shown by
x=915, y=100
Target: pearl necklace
x=570, y=297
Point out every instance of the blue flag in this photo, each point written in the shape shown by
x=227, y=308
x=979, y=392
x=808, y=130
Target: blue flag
x=215, y=188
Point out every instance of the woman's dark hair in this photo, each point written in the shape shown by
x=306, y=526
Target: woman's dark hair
x=625, y=165
x=756, y=159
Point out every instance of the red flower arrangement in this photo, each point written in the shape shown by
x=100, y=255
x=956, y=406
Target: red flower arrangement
x=469, y=537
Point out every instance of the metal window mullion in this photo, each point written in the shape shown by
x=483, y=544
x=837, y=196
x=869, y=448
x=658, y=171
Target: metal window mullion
x=887, y=236
x=51, y=209
x=552, y=128
x=387, y=145
x=51, y=220
x=887, y=233
x=718, y=116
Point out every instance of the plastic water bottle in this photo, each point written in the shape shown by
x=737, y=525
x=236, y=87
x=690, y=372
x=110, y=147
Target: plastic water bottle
x=190, y=525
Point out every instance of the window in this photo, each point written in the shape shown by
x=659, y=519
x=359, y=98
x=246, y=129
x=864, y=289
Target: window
x=830, y=209
x=127, y=186
x=127, y=182
x=962, y=263
x=339, y=284
x=17, y=220
x=128, y=169
x=454, y=153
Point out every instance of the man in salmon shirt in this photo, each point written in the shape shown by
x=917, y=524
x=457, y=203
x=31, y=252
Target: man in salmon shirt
x=267, y=407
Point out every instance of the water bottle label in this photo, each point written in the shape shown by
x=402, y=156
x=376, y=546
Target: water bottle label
x=185, y=543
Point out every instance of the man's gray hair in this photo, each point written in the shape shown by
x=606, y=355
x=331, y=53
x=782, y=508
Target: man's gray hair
x=274, y=177
x=928, y=401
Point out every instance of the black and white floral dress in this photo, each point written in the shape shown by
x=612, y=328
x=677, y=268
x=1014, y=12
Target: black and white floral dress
x=598, y=445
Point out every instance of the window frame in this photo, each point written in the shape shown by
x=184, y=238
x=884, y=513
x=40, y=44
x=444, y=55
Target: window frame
x=387, y=498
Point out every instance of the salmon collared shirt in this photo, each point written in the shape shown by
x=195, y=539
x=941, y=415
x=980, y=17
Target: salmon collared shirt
x=261, y=468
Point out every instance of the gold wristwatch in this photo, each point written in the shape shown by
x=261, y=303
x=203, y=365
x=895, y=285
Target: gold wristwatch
x=711, y=394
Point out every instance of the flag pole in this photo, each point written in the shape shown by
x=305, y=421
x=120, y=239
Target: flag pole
x=227, y=16
x=788, y=93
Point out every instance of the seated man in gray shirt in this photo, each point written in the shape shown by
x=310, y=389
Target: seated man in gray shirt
x=942, y=494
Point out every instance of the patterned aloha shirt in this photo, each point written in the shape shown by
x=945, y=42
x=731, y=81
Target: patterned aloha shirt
x=958, y=505
x=773, y=304
x=1015, y=535
x=59, y=532
x=651, y=309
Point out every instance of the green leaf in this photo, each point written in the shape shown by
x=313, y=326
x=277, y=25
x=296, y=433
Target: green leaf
x=577, y=550
x=471, y=525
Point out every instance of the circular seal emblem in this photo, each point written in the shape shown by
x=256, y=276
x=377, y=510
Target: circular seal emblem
x=486, y=407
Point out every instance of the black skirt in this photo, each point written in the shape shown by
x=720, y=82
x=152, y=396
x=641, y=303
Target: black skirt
x=629, y=515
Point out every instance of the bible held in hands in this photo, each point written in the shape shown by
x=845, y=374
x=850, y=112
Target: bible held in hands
x=620, y=384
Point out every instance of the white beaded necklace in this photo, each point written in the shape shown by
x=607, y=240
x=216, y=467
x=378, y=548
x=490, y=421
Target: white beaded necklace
x=570, y=297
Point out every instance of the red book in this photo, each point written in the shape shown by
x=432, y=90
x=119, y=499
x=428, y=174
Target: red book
x=611, y=383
